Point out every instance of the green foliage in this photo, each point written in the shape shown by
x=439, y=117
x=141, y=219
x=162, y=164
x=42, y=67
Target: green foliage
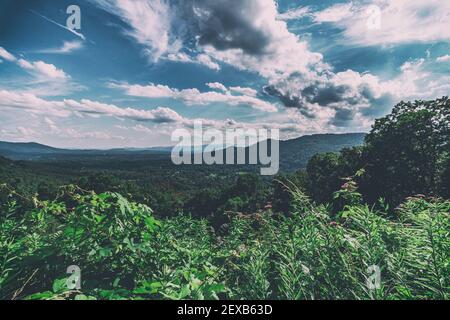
x=125, y=253
x=328, y=172
x=405, y=151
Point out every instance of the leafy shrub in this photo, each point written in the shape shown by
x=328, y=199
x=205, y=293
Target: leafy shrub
x=125, y=253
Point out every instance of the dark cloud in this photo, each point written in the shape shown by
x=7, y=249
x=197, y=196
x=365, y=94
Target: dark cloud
x=342, y=117
x=325, y=94
x=290, y=101
x=346, y=101
x=379, y=107
x=224, y=24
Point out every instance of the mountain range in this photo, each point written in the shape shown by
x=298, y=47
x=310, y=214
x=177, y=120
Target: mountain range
x=294, y=154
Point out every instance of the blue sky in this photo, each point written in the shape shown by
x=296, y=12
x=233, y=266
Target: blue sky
x=138, y=70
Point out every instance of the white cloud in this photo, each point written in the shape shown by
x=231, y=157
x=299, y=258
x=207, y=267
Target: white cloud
x=277, y=54
x=244, y=91
x=44, y=79
x=65, y=108
x=39, y=68
x=149, y=22
x=217, y=86
x=37, y=131
x=335, y=13
x=160, y=114
x=67, y=47
x=239, y=90
x=200, y=59
x=42, y=69
x=52, y=112
x=32, y=104
x=207, y=61
x=295, y=13
x=52, y=120
x=444, y=58
x=402, y=21
x=6, y=55
x=195, y=97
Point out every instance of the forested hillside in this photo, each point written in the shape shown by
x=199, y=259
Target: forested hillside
x=294, y=154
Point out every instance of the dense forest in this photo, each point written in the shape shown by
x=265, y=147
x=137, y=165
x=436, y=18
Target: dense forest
x=142, y=228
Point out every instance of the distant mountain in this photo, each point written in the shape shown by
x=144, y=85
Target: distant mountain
x=294, y=154
x=36, y=151
x=23, y=148
x=4, y=161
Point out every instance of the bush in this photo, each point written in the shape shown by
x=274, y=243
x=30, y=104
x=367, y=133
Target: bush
x=123, y=252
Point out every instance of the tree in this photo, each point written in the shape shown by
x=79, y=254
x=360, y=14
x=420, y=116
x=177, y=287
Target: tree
x=204, y=203
x=328, y=172
x=405, y=149
x=324, y=176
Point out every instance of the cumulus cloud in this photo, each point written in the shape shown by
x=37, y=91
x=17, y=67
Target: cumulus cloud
x=220, y=24
x=244, y=91
x=42, y=69
x=349, y=97
x=52, y=118
x=222, y=29
x=217, y=86
x=257, y=42
x=44, y=79
x=32, y=104
x=301, y=79
x=195, y=97
x=239, y=90
x=68, y=107
x=261, y=43
x=253, y=36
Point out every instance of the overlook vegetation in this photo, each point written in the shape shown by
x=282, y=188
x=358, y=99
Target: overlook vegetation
x=224, y=233
x=125, y=253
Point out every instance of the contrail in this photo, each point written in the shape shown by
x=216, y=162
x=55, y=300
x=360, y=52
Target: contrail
x=59, y=25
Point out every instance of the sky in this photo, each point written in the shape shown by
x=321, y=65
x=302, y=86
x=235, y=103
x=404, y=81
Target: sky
x=137, y=70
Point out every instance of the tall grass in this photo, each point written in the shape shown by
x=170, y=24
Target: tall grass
x=125, y=253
